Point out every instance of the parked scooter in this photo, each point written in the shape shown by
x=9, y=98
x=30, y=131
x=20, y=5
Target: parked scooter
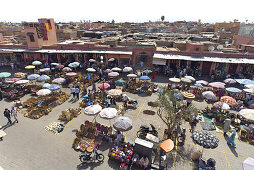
x=144, y=130
x=132, y=101
x=86, y=157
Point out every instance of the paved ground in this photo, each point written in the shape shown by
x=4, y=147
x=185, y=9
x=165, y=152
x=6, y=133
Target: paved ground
x=28, y=146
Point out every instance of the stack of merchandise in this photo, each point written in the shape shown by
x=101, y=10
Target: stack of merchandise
x=69, y=114
x=55, y=127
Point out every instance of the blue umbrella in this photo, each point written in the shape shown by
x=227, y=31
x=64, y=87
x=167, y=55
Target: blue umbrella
x=120, y=82
x=46, y=85
x=43, y=78
x=54, y=87
x=144, y=78
x=244, y=81
x=33, y=76
x=199, y=85
x=233, y=90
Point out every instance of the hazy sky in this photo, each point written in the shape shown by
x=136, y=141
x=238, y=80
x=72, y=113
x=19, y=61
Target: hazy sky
x=127, y=10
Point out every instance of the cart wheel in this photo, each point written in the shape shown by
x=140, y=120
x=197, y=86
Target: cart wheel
x=100, y=157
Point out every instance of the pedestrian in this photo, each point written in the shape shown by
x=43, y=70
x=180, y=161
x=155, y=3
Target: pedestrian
x=1, y=95
x=73, y=92
x=231, y=140
x=7, y=115
x=125, y=100
x=153, y=76
x=14, y=114
x=78, y=84
x=77, y=92
x=188, y=102
x=193, y=124
x=227, y=123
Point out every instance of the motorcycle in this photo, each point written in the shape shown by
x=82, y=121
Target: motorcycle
x=86, y=157
x=132, y=101
x=144, y=130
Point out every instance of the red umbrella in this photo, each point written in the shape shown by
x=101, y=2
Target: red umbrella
x=106, y=86
x=59, y=66
x=229, y=100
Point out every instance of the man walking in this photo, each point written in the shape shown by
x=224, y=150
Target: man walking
x=14, y=114
x=7, y=115
x=227, y=124
x=77, y=92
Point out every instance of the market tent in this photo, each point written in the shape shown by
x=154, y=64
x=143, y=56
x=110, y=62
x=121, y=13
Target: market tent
x=230, y=81
x=111, y=59
x=229, y=100
x=244, y=81
x=147, y=71
x=175, y=80
x=93, y=109
x=113, y=74
x=107, y=70
x=123, y=124
x=248, y=164
x=185, y=80
x=144, y=78
x=132, y=75
x=22, y=82
x=54, y=64
x=43, y=92
x=71, y=74
x=217, y=85
x=249, y=91
x=247, y=113
x=115, y=92
x=120, y=82
x=127, y=69
x=58, y=80
x=209, y=95
x=33, y=76
x=54, y=87
x=59, y=66
x=11, y=80
x=190, y=77
x=249, y=86
x=106, y=86
x=20, y=75
x=108, y=113
x=74, y=64
x=188, y=95
x=43, y=78
x=116, y=69
x=36, y=63
x=202, y=82
x=167, y=145
x=233, y=90
x=46, y=85
x=221, y=105
x=30, y=67
x=5, y=74
x=44, y=70
x=67, y=69
x=199, y=85
x=90, y=70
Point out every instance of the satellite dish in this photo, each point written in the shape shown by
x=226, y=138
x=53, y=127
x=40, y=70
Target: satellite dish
x=211, y=48
x=219, y=47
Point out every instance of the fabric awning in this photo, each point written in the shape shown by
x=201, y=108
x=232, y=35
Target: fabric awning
x=204, y=58
x=158, y=61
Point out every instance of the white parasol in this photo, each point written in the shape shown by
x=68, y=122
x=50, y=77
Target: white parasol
x=93, y=109
x=123, y=123
x=91, y=70
x=43, y=92
x=108, y=113
x=115, y=92
x=113, y=74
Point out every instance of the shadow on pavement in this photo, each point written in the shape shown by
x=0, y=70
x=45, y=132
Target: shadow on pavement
x=7, y=126
x=88, y=166
x=232, y=149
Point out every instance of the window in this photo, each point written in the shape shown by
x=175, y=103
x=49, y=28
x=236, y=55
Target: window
x=196, y=49
x=31, y=38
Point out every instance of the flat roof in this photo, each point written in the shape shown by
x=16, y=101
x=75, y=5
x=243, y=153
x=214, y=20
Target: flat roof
x=204, y=58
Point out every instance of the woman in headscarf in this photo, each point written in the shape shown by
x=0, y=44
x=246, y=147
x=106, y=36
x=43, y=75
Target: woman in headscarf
x=231, y=140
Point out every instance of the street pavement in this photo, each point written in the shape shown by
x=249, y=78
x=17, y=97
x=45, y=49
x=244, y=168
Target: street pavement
x=29, y=146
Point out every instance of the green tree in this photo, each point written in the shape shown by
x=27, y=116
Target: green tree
x=162, y=18
x=168, y=110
